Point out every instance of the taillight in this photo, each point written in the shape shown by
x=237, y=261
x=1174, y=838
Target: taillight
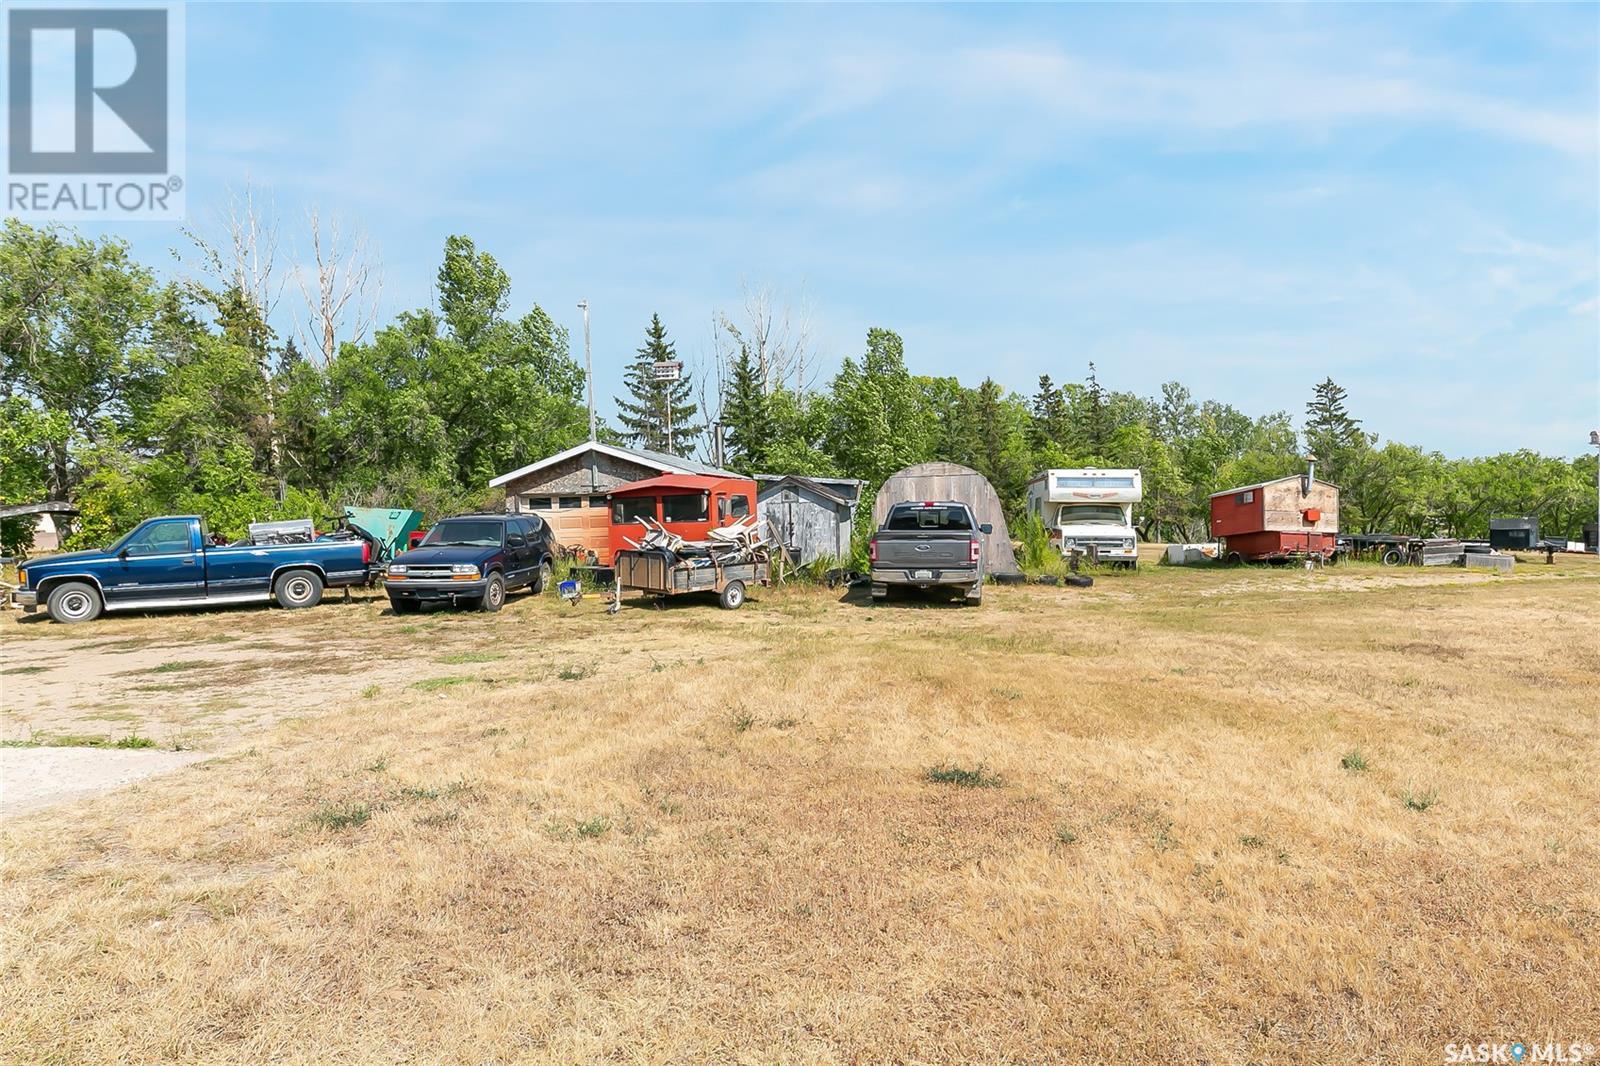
x=366, y=553
x=974, y=547
x=872, y=549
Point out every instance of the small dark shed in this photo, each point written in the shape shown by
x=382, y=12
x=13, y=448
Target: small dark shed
x=1517, y=533
x=810, y=518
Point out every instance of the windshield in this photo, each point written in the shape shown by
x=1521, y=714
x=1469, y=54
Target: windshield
x=1085, y=513
x=469, y=534
x=910, y=516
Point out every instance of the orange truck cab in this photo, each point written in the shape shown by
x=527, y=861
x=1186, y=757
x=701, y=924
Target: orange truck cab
x=690, y=505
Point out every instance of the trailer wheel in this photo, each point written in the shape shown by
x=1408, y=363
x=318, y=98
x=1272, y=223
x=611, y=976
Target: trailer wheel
x=74, y=602
x=299, y=588
x=1392, y=557
x=1234, y=559
x=732, y=595
x=494, y=593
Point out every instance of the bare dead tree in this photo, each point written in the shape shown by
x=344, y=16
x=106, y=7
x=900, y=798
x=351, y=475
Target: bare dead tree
x=245, y=260
x=779, y=337
x=340, y=286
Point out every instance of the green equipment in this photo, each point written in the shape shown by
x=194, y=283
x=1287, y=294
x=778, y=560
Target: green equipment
x=391, y=526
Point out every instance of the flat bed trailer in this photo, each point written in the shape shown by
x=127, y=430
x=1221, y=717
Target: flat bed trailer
x=662, y=573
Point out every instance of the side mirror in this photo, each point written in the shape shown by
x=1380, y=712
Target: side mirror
x=516, y=540
x=986, y=528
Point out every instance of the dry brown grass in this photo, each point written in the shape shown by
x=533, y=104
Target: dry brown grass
x=744, y=859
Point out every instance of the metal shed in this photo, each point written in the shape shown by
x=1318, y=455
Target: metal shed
x=810, y=518
x=1513, y=532
x=952, y=481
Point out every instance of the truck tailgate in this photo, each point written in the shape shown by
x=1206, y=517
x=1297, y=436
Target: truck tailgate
x=924, y=549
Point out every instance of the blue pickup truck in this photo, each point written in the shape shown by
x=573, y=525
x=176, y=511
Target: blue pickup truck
x=170, y=562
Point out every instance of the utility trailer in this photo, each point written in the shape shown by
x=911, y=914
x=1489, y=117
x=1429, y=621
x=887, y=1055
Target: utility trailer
x=658, y=572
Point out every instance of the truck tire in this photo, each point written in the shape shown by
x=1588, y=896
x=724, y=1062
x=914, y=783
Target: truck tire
x=405, y=606
x=74, y=602
x=541, y=582
x=494, y=593
x=732, y=596
x=880, y=593
x=299, y=588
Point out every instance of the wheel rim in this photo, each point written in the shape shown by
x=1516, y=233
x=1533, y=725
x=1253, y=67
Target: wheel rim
x=496, y=592
x=736, y=596
x=76, y=604
x=544, y=578
x=299, y=588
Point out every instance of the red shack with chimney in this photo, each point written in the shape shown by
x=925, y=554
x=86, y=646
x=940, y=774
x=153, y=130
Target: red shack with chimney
x=1293, y=517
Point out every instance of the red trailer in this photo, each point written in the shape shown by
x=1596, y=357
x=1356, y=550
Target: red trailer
x=690, y=505
x=1290, y=518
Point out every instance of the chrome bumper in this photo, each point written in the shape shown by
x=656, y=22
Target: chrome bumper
x=939, y=576
x=27, y=599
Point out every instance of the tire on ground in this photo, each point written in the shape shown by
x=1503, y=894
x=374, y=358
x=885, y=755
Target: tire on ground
x=494, y=593
x=732, y=595
x=74, y=601
x=405, y=606
x=298, y=588
x=541, y=583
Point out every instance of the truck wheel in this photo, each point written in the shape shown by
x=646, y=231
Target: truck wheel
x=494, y=593
x=299, y=588
x=541, y=584
x=405, y=606
x=74, y=602
x=880, y=593
x=732, y=596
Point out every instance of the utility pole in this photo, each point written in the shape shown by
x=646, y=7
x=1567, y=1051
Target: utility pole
x=588, y=365
x=1594, y=441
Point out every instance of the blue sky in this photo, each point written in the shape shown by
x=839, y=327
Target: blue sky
x=1244, y=198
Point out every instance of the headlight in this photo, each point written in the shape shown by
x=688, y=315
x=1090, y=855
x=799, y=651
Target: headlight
x=465, y=568
x=397, y=568
x=1128, y=543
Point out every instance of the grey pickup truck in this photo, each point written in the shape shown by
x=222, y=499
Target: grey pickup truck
x=936, y=544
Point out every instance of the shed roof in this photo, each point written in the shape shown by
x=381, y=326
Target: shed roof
x=684, y=482
x=667, y=464
x=1264, y=484
x=770, y=482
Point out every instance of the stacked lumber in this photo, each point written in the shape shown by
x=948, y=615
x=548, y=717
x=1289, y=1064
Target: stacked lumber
x=1442, y=552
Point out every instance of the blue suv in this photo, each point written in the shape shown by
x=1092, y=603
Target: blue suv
x=473, y=560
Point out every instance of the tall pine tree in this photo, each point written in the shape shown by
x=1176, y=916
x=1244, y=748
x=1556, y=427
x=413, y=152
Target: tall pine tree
x=746, y=419
x=656, y=405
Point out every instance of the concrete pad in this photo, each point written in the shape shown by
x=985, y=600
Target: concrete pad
x=35, y=778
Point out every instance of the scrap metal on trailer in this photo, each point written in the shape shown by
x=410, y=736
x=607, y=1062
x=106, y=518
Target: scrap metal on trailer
x=727, y=563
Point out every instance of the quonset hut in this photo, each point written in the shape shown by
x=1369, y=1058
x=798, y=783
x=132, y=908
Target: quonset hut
x=952, y=481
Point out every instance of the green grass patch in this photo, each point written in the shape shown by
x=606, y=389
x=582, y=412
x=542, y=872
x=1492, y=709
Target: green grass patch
x=592, y=829
x=21, y=670
x=977, y=777
x=433, y=684
x=1354, y=761
x=575, y=673
x=460, y=657
x=180, y=665
x=346, y=816
x=1419, y=801
x=80, y=740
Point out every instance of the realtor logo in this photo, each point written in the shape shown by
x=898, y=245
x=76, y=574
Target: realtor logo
x=94, y=112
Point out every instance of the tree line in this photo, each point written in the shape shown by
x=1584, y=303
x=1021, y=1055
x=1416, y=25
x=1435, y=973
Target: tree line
x=132, y=396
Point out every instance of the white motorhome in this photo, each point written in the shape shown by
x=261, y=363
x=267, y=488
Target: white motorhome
x=1089, y=508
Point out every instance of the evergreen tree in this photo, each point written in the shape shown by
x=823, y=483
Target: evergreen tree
x=1049, y=425
x=1095, y=430
x=1329, y=427
x=746, y=418
x=657, y=404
